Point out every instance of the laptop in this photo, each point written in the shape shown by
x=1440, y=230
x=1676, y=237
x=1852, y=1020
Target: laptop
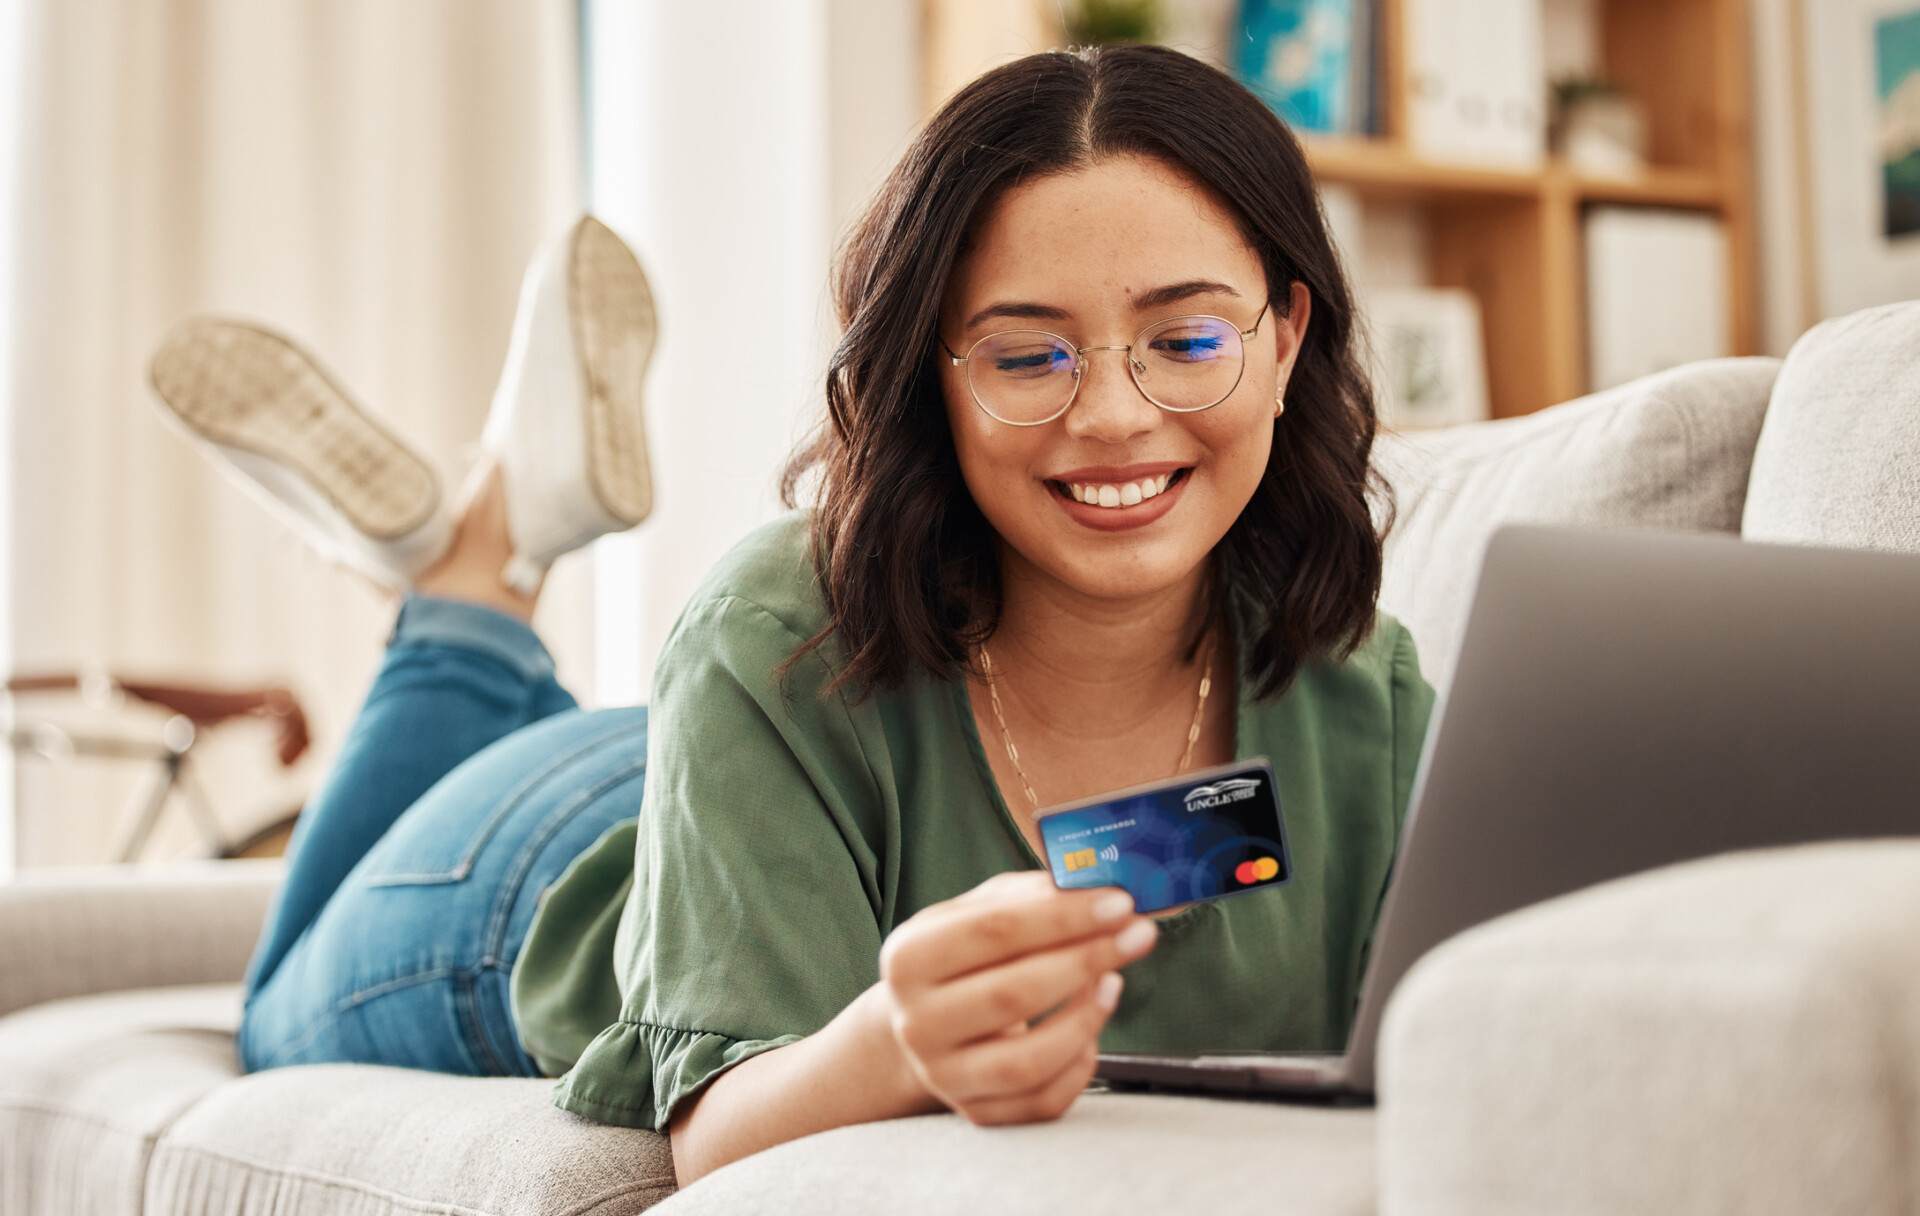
x=1624, y=701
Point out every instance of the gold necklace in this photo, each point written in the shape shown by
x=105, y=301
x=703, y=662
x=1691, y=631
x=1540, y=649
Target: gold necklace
x=1013, y=753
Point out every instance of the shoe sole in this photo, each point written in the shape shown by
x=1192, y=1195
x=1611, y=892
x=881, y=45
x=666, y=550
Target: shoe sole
x=614, y=326
x=244, y=387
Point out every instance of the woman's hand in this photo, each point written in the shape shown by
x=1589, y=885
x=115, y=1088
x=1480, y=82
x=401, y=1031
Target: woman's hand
x=965, y=980
x=947, y=1024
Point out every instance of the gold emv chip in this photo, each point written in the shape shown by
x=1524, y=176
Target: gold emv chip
x=1084, y=859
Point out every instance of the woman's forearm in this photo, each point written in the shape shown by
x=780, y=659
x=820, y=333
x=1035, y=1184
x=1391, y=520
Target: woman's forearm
x=852, y=1071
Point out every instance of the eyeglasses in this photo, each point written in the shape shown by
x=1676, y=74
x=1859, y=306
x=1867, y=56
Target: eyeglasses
x=1026, y=377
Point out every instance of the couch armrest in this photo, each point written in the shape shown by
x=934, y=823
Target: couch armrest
x=1740, y=1034
x=100, y=930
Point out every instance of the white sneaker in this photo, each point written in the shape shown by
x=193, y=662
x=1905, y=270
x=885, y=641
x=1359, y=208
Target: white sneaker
x=281, y=428
x=567, y=426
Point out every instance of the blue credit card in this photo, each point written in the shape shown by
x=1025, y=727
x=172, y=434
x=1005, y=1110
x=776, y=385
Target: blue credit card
x=1197, y=836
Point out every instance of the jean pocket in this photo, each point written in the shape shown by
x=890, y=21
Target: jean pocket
x=502, y=795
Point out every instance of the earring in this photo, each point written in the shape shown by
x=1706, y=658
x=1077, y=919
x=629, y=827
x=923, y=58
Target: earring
x=1280, y=403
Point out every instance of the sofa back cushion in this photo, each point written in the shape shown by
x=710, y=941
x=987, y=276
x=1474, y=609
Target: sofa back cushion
x=1838, y=462
x=1670, y=451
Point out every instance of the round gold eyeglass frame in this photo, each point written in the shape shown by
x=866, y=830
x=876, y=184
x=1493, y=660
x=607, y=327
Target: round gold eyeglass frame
x=1134, y=366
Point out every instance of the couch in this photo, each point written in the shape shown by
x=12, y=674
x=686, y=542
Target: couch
x=1736, y=1034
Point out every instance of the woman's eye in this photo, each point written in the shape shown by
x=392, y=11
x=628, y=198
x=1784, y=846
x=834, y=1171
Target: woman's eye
x=1029, y=363
x=1189, y=348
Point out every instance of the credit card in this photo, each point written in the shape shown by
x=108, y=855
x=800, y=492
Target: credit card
x=1196, y=836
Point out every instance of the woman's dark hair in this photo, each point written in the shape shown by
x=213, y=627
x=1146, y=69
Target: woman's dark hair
x=906, y=561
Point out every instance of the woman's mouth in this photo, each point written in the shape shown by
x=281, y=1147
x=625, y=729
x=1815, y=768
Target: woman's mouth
x=1112, y=506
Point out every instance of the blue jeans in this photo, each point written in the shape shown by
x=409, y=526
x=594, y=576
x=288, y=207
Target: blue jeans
x=468, y=783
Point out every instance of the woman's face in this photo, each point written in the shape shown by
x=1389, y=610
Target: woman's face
x=1095, y=256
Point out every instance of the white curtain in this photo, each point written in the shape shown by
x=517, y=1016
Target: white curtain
x=368, y=175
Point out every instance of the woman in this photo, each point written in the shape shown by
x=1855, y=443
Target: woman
x=1091, y=508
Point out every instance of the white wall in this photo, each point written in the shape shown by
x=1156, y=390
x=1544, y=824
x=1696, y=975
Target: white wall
x=1784, y=311
x=1829, y=174
x=873, y=96
x=13, y=16
x=729, y=143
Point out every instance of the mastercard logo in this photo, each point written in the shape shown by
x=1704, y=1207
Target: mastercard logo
x=1260, y=869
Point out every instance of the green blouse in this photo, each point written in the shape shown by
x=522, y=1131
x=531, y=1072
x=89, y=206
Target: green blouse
x=783, y=835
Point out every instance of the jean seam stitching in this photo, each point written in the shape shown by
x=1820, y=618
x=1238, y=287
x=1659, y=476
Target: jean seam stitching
x=496, y=931
x=478, y=841
x=525, y=790
x=466, y=1003
x=355, y=999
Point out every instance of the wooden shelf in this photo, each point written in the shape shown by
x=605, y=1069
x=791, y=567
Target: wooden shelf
x=1656, y=187
x=1513, y=237
x=1383, y=168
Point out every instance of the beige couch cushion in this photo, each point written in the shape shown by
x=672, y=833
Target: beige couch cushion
x=132, y=1102
x=1838, y=461
x=1735, y=1035
x=110, y=928
x=88, y=1085
x=1113, y=1154
x=356, y=1140
x=1670, y=451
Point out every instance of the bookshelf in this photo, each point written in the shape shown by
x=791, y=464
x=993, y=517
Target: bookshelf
x=1514, y=238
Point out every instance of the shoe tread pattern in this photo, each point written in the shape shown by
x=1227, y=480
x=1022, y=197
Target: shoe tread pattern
x=614, y=325
x=246, y=387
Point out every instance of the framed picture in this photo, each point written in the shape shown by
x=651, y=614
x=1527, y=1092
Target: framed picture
x=1862, y=77
x=1429, y=368
x=1308, y=60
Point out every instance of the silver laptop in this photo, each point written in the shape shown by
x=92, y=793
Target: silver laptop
x=1624, y=701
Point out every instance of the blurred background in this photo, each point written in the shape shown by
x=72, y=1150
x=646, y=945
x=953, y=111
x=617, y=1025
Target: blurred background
x=1538, y=198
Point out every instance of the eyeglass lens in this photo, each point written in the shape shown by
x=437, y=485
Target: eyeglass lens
x=1182, y=364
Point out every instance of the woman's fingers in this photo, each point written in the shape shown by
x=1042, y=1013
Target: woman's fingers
x=1009, y=882
x=965, y=978
x=987, y=1001
x=1050, y=1101
x=1001, y=919
x=1008, y=1067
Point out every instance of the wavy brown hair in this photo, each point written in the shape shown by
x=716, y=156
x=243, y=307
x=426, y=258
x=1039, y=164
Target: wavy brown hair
x=906, y=561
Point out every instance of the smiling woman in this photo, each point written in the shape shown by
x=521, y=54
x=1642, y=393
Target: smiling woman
x=1092, y=486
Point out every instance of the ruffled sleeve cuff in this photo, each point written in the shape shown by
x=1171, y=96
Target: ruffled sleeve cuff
x=633, y=1073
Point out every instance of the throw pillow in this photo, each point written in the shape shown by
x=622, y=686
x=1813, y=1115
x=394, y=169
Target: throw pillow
x=1838, y=462
x=1670, y=451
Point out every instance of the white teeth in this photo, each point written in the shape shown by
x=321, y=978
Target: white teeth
x=1126, y=494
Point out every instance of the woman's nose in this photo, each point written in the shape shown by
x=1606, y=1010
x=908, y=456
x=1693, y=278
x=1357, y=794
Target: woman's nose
x=1109, y=406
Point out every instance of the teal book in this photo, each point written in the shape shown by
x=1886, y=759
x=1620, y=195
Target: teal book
x=1310, y=60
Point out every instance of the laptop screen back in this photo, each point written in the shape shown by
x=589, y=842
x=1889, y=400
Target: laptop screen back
x=1629, y=700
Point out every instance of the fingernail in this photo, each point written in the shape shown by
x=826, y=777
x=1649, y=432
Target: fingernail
x=1112, y=906
x=1135, y=938
x=1107, y=995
